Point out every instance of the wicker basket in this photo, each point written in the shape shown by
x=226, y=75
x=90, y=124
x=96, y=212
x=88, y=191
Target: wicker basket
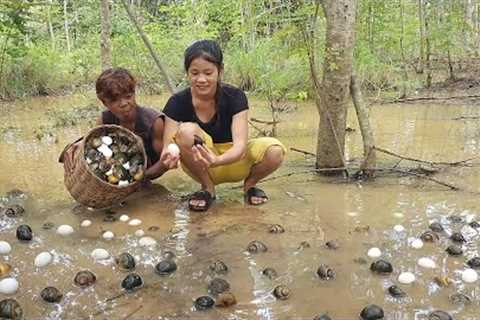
x=84, y=186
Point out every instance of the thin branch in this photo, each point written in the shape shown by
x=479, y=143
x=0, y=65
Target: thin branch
x=303, y=151
x=456, y=163
x=133, y=312
x=431, y=98
x=264, y=121
x=422, y=176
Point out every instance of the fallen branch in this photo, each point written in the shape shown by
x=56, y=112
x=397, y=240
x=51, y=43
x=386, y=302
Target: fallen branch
x=450, y=186
x=466, y=118
x=133, y=312
x=261, y=131
x=264, y=121
x=456, y=163
x=430, y=98
x=303, y=151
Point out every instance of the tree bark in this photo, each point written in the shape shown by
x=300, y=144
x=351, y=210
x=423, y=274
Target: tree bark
x=421, y=22
x=50, y=26
x=402, y=51
x=105, y=50
x=337, y=72
x=147, y=43
x=65, y=20
x=370, y=157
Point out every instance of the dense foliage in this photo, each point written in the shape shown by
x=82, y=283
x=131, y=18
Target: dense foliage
x=53, y=46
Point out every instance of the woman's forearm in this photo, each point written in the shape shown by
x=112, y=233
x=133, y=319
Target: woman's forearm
x=235, y=153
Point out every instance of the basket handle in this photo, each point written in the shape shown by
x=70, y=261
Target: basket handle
x=61, y=157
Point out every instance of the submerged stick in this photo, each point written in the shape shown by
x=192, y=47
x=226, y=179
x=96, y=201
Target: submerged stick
x=133, y=312
x=456, y=163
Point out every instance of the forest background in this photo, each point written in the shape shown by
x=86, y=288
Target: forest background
x=53, y=47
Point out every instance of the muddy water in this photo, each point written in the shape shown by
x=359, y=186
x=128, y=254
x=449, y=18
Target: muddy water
x=358, y=215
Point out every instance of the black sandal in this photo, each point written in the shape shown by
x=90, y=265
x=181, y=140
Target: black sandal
x=257, y=193
x=201, y=195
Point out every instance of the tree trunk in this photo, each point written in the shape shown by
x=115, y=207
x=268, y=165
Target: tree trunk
x=403, y=94
x=421, y=22
x=50, y=26
x=65, y=20
x=147, y=43
x=337, y=72
x=105, y=51
x=428, y=57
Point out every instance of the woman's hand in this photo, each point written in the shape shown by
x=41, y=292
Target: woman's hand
x=169, y=160
x=205, y=156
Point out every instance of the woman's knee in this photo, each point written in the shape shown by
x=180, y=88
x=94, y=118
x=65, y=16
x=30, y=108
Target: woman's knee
x=185, y=132
x=274, y=156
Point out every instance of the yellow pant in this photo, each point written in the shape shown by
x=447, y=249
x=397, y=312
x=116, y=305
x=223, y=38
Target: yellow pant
x=239, y=170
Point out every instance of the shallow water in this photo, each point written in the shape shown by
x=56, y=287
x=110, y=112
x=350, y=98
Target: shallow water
x=358, y=215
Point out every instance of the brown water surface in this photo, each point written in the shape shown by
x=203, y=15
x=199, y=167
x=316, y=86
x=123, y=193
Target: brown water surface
x=358, y=215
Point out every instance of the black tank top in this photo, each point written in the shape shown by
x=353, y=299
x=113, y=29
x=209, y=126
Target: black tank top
x=146, y=117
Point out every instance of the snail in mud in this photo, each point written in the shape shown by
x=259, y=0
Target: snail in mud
x=459, y=299
x=276, y=228
x=372, y=312
x=381, y=267
x=204, y=303
x=165, y=267
x=443, y=281
x=281, y=292
x=304, y=245
x=256, y=247
x=132, y=282
x=51, y=295
x=270, y=273
x=458, y=237
x=217, y=286
x=225, y=300
x=332, y=245
x=24, y=233
x=436, y=227
x=10, y=309
x=168, y=255
x=325, y=272
x=125, y=261
x=439, y=315
x=454, y=250
x=109, y=218
x=48, y=226
x=5, y=269
x=429, y=236
x=13, y=211
x=474, y=263
x=84, y=278
x=219, y=267
x=360, y=260
x=455, y=219
x=322, y=317
x=474, y=224
x=396, y=291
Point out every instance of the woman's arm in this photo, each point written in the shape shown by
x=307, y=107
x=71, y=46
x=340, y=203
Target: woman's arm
x=158, y=168
x=170, y=128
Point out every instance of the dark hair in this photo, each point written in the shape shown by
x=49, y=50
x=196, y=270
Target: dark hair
x=206, y=49
x=114, y=83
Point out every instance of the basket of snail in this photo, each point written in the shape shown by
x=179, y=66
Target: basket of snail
x=107, y=165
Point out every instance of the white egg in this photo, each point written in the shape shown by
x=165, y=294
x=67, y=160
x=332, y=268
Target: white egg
x=100, y=254
x=8, y=286
x=108, y=235
x=469, y=275
x=352, y=214
x=124, y=218
x=86, y=223
x=417, y=244
x=398, y=215
x=5, y=247
x=65, y=230
x=88, y=160
x=399, y=228
x=426, y=263
x=105, y=150
x=173, y=149
x=135, y=222
x=147, y=241
x=109, y=172
x=43, y=259
x=126, y=165
x=374, y=253
x=406, y=278
x=139, y=233
x=107, y=140
x=122, y=183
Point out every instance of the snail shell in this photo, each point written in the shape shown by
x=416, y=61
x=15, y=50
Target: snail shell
x=459, y=299
x=256, y=247
x=132, y=282
x=276, y=228
x=225, y=300
x=14, y=211
x=125, y=261
x=436, y=227
x=24, y=233
x=396, y=292
x=165, y=267
x=458, y=237
x=85, y=278
x=10, y=309
x=217, y=286
x=439, y=315
x=5, y=269
x=51, y=294
x=332, y=244
x=381, y=267
x=281, y=292
x=325, y=272
x=429, y=236
x=454, y=250
x=455, y=219
x=270, y=273
x=474, y=263
x=203, y=303
x=219, y=267
x=322, y=317
x=474, y=225
x=372, y=312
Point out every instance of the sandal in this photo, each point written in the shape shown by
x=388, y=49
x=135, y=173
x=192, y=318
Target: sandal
x=257, y=193
x=201, y=195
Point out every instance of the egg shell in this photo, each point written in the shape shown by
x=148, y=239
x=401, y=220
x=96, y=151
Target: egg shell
x=100, y=254
x=406, y=278
x=65, y=230
x=122, y=183
x=135, y=222
x=43, y=259
x=417, y=244
x=124, y=218
x=108, y=235
x=107, y=140
x=5, y=247
x=173, y=149
x=399, y=228
x=426, y=263
x=86, y=223
x=374, y=253
x=147, y=241
x=139, y=233
x=126, y=165
x=8, y=286
x=469, y=276
x=105, y=150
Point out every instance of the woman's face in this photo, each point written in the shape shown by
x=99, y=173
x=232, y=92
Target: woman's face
x=203, y=76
